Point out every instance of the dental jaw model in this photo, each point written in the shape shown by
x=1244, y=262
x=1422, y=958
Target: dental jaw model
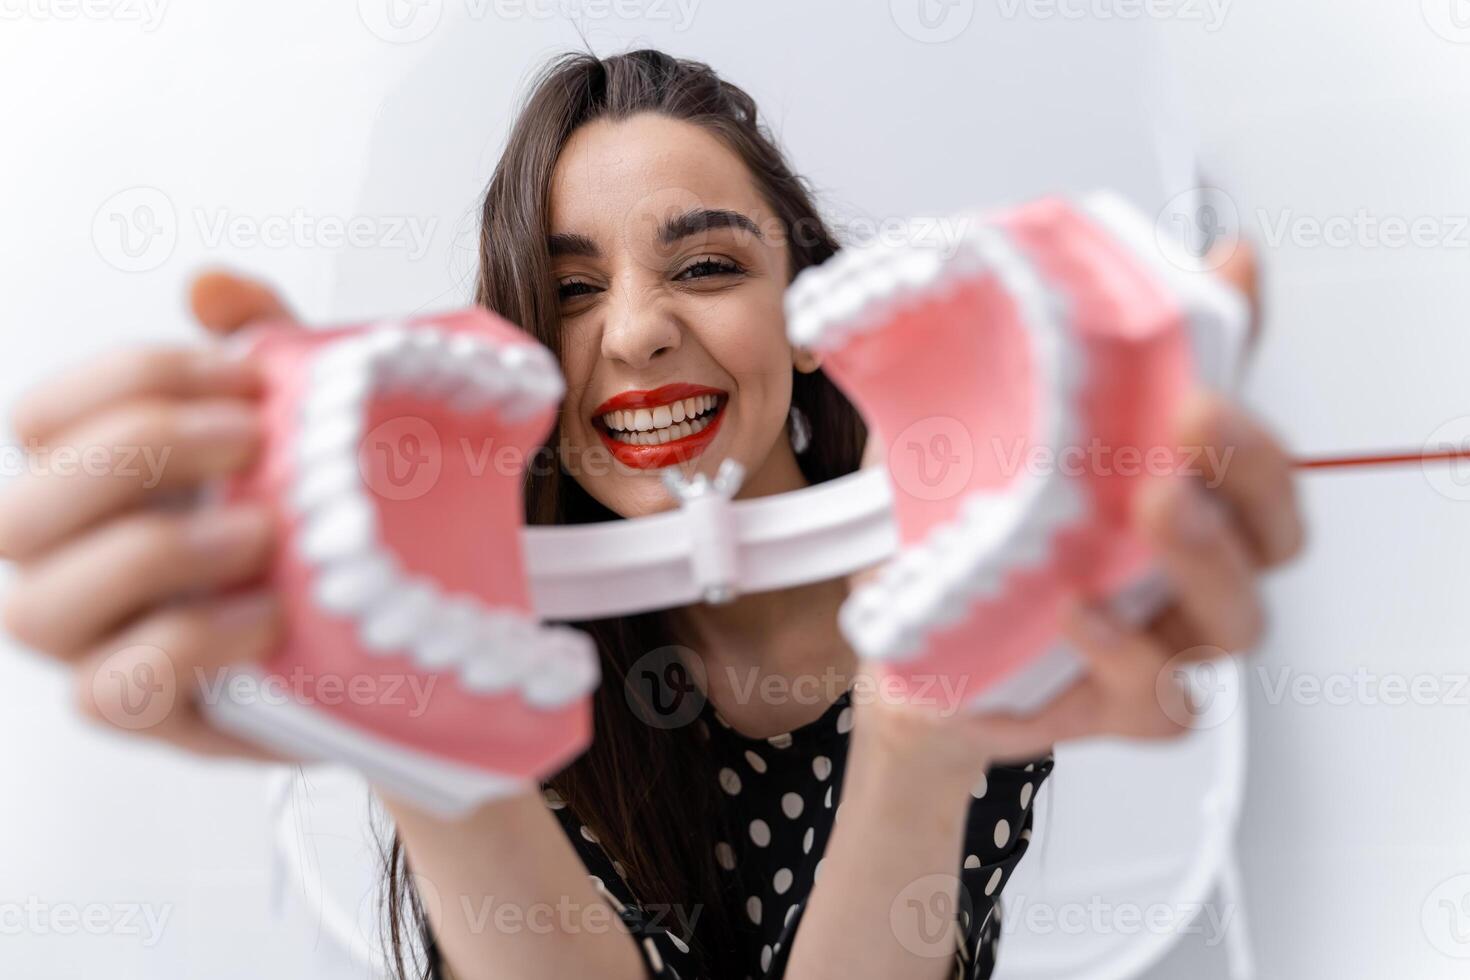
x=1023, y=386
x=411, y=648
x=414, y=596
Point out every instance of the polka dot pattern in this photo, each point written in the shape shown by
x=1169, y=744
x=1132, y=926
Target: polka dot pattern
x=780, y=796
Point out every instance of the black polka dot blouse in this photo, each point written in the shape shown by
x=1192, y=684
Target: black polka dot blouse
x=783, y=793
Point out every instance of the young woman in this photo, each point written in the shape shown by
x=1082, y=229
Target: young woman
x=643, y=225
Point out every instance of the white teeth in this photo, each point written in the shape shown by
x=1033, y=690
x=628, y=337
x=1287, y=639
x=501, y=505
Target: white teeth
x=351, y=588
x=662, y=417
x=347, y=529
x=454, y=637
x=355, y=575
x=400, y=617
x=575, y=671
x=323, y=482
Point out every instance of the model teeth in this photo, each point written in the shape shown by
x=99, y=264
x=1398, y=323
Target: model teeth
x=665, y=423
x=932, y=584
x=356, y=578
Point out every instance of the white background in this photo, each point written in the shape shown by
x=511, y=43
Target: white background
x=1307, y=110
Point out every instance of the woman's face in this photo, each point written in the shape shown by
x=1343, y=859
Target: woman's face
x=670, y=271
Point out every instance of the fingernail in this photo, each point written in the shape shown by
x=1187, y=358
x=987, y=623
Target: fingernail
x=225, y=529
x=243, y=612
x=221, y=422
x=1198, y=518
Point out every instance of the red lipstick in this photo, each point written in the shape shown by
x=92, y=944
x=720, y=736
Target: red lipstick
x=668, y=453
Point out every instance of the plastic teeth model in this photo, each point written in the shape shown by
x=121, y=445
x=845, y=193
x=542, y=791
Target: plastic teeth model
x=394, y=463
x=1019, y=384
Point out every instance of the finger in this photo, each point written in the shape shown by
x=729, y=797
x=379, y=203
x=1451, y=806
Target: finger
x=225, y=302
x=1119, y=694
x=1249, y=468
x=119, y=459
x=152, y=677
x=1207, y=562
x=132, y=376
x=84, y=590
x=1235, y=262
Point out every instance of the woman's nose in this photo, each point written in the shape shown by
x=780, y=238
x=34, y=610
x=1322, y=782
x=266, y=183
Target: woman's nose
x=638, y=329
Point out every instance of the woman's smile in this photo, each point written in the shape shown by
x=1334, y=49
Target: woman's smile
x=668, y=425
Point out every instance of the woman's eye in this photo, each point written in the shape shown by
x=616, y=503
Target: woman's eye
x=705, y=268
x=574, y=288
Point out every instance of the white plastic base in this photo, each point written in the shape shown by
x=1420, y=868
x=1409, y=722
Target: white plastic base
x=447, y=789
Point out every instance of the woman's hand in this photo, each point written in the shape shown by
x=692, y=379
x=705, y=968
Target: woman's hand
x=140, y=590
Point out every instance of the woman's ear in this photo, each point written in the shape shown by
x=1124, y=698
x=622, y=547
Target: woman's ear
x=804, y=360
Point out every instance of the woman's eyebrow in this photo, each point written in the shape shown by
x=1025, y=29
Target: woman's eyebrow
x=705, y=219
x=571, y=244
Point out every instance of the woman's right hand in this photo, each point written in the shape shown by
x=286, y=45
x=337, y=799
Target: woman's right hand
x=146, y=600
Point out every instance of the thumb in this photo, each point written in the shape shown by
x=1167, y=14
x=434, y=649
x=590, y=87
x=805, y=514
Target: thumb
x=224, y=302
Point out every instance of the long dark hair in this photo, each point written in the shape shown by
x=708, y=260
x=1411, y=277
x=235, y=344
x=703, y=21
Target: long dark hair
x=646, y=792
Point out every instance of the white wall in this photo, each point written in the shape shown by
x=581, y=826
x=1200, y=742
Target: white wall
x=258, y=112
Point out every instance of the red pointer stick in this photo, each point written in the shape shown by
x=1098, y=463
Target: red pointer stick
x=1381, y=459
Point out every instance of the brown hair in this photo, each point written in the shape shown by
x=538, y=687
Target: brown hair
x=646, y=792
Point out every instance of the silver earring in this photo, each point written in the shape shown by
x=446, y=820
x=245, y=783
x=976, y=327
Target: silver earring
x=801, y=430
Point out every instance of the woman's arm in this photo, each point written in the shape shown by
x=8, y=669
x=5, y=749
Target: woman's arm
x=887, y=902
x=509, y=899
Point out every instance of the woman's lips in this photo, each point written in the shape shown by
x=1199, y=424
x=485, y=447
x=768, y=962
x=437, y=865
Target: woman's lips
x=662, y=454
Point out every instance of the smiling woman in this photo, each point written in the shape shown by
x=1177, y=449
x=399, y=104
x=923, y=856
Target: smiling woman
x=673, y=227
